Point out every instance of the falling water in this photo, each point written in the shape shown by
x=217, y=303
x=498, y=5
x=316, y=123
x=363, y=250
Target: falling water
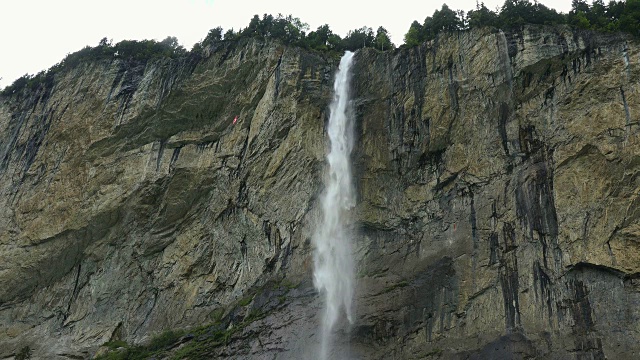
x=333, y=270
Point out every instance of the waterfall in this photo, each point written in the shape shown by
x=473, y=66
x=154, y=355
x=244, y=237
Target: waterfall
x=333, y=263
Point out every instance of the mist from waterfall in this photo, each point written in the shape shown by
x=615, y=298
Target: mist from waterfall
x=333, y=262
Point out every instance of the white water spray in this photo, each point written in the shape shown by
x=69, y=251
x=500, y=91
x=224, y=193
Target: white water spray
x=333, y=263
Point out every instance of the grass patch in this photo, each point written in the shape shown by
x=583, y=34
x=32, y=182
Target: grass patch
x=393, y=287
x=289, y=285
x=165, y=339
x=246, y=300
x=201, y=348
x=113, y=345
x=209, y=337
x=216, y=315
x=434, y=352
x=120, y=350
x=126, y=353
x=200, y=343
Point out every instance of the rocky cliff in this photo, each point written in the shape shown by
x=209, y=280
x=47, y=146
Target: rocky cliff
x=497, y=212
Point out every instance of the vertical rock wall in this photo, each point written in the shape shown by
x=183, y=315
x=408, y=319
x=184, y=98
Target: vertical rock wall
x=498, y=187
x=497, y=200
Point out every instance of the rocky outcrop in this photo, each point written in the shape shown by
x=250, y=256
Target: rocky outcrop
x=496, y=213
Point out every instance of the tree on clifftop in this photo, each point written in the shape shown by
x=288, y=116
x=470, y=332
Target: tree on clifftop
x=630, y=19
x=482, y=16
x=214, y=35
x=444, y=19
x=359, y=38
x=382, y=40
x=319, y=39
x=414, y=36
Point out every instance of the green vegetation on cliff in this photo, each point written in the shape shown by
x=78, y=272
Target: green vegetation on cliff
x=130, y=50
x=202, y=342
x=615, y=16
x=292, y=31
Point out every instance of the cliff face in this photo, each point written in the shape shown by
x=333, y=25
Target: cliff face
x=505, y=198
x=497, y=211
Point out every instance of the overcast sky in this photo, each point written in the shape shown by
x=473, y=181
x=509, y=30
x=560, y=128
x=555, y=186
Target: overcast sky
x=37, y=34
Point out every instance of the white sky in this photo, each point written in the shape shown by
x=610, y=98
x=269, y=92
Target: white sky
x=36, y=34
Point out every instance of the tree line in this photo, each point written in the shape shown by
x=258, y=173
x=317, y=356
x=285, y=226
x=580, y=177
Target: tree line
x=135, y=50
x=287, y=29
x=292, y=31
x=612, y=17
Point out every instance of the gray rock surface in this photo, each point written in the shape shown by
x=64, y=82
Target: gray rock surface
x=496, y=217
